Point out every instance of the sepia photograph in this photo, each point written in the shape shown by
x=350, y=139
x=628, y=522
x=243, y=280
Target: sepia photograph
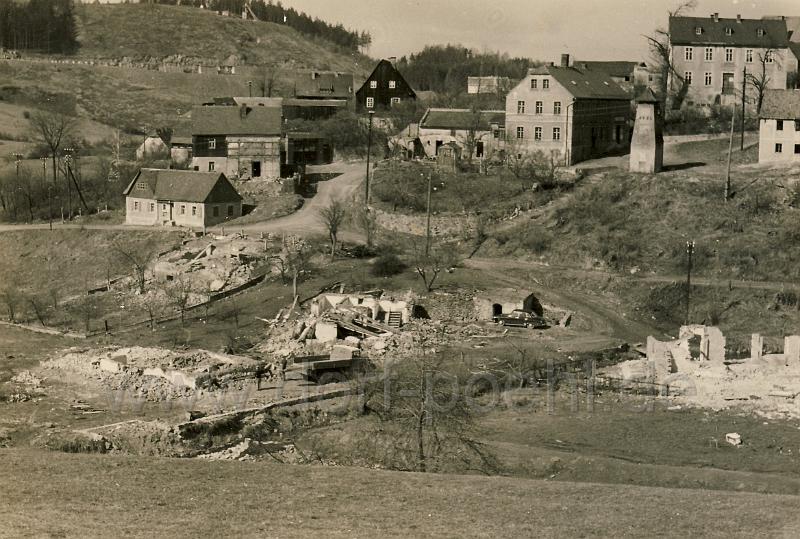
x=393, y=268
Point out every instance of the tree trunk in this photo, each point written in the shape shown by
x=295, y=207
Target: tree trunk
x=420, y=428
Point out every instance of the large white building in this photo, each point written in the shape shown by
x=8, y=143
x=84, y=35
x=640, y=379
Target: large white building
x=779, y=127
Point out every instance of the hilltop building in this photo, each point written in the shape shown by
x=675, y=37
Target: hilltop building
x=711, y=54
x=779, y=127
x=572, y=112
x=384, y=88
x=180, y=198
x=488, y=85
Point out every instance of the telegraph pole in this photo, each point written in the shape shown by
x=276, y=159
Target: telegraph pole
x=744, y=92
x=730, y=151
x=369, y=151
x=49, y=194
x=689, y=252
x=67, y=158
x=17, y=158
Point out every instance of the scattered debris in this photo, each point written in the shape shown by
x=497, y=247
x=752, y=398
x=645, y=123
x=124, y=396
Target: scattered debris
x=733, y=438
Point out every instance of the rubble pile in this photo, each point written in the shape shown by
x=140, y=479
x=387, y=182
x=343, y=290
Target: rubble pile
x=252, y=450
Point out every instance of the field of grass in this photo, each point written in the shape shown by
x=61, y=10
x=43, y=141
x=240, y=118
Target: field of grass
x=68, y=495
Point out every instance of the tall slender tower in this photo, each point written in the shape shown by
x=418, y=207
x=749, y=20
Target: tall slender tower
x=647, y=144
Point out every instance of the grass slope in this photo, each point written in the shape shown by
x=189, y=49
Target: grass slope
x=70, y=495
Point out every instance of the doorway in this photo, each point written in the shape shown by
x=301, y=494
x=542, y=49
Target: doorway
x=255, y=169
x=479, y=149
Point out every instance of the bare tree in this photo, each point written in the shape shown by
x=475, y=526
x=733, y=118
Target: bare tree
x=12, y=298
x=332, y=217
x=139, y=260
x=368, y=223
x=760, y=80
x=268, y=76
x=429, y=263
x=53, y=128
x=660, y=50
x=293, y=261
x=38, y=305
x=179, y=293
x=88, y=307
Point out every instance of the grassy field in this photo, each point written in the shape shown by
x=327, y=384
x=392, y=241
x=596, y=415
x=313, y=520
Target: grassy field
x=69, y=495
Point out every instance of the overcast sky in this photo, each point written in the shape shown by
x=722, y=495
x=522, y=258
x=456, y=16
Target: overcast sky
x=538, y=29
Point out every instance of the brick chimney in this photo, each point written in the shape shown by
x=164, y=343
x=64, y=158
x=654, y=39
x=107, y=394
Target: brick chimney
x=739, y=19
x=715, y=16
x=565, y=60
x=392, y=59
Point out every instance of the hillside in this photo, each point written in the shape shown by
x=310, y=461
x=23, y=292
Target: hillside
x=70, y=495
x=128, y=97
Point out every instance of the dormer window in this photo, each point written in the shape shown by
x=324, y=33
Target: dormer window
x=728, y=31
x=392, y=84
x=698, y=30
x=373, y=84
x=760, y=32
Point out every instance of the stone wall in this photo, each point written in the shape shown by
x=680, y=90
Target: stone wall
x=441, y=225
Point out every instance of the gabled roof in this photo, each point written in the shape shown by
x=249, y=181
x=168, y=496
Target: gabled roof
x=241, y=120
x=613, y=67
x=647, y=96
x=795, y=48
x=781, y=105
x=462, y=119
x=585, y=83
x=182, y=186
x=743, y=32
x=336, y=103
x=324, y=84
x=258, y=101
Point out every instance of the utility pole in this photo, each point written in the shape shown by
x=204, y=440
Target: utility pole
x=730, y=151
x=428, y=212
x=744, y=92
x=369, y=151
x=17, y=158
x=689, y=252
x=67, y=158
x=250, y=88
x=49, y=193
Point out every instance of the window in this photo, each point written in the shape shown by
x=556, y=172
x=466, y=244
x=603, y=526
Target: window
x=760, y=32
x=698, y=30
x=520, y=133
x=688, y=53
x=215, y=211
x=779, y=148
x=708, y=79
x=556, y=133
x=194, y=210
x=370, y=102
x=183, y=209
x=520, y=107
x=230, y=210
x=729, y=55
x=769, y=57
x=141, y=186
x=797, y=125
x=392, y=84
x=539, y=107
x=152, y=207
x=557, y=107
x=533, y=84
x=212, y=144
x=537, y=133
x=687, y=76
x=135, y=205
x=797, y=148
x=373, y=84
x=728, y=31
x=545, y=84
x=211, y=165
x=709, y=54
x=779, y=125
x=395, y=100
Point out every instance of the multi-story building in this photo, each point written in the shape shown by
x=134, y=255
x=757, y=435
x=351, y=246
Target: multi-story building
x=711, y=55
x=383, y=88
x=779, y=127
x=630, y=76
x=572, y=112
x=488, y=85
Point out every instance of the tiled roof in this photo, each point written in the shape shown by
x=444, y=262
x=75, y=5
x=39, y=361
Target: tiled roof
x=324, y=84
x=589, y=83
x=242, y=120
x=337, y=103
x=743, y=32
x=795, y=48
x=183, y=186
x=781, y=105
x=461, y=119
x=613, y=68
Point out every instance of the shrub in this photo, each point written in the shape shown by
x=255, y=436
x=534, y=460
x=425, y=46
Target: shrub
x=387, y=265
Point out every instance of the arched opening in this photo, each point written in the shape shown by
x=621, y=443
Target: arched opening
x=497, y=310
x=532, y=305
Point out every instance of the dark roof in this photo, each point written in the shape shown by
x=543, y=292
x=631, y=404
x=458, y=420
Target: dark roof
x=181, y=141
x=781, y=105
x=324, y=84
x=613, y=68
x=461, y=119
x=338, y=103
x=795, y=48
x=242, y=120
x=587, y=83
x=183, y=186
x=744, y=32
x=647, y=96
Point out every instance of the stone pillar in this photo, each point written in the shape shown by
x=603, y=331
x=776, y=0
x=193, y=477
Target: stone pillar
x=715, y=345
x=647, y=143
x=791, y=349
x=756, y=347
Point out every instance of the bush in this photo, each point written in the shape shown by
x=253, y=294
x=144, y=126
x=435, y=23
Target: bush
x=387, y=265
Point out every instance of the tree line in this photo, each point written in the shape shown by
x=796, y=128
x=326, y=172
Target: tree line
x=275, y=12
x=445, y=68
x=42, y=25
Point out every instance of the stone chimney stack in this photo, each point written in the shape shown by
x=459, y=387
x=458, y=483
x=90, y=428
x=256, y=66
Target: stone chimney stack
x=565, y=60
x=739, y=19
x=715, y=16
